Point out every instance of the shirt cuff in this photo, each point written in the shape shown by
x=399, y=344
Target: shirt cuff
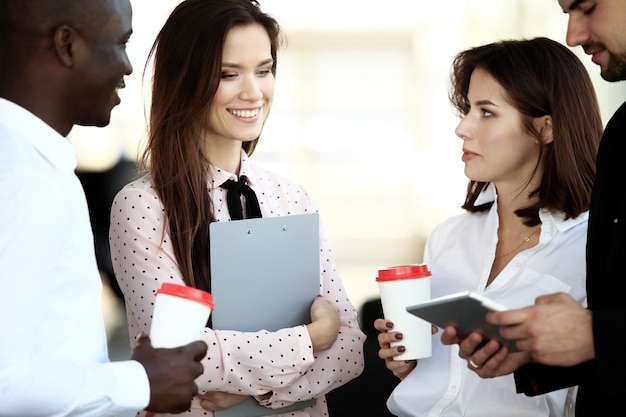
x=132, y=392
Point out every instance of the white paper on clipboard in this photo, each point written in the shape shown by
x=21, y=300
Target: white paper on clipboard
x=265, y=274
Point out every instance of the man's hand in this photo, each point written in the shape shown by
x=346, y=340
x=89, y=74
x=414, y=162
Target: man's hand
x=171, y=373
x=555, y=331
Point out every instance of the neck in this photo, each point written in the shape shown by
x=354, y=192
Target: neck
x=225, y=155
x=513, y=198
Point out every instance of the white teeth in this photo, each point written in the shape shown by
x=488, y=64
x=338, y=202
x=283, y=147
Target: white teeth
x=245, y=113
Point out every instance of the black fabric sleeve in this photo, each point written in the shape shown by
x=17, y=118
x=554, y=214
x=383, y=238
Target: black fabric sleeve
x=535, y=379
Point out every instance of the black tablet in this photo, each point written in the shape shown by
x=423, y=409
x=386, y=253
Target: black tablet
x=466, y=311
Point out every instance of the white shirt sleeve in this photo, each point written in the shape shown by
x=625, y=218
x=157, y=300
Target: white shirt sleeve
x=53, y=348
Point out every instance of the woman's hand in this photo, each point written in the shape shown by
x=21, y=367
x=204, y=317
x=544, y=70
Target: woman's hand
x=217, y=400
x=324, y=326
x=488, y=359
x=386, y=336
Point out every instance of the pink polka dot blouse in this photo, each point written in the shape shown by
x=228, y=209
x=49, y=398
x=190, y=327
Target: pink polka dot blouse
x=247, y=363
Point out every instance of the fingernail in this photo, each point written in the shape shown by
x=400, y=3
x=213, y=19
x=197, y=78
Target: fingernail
x=401, y=348
x=398, y=336
x=389, y=325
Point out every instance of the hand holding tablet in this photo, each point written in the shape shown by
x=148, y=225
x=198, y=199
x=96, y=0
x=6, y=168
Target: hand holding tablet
x=466, y=311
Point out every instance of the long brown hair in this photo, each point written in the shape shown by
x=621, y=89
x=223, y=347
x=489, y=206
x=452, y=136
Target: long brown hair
x=541, y=77
x=187, y=55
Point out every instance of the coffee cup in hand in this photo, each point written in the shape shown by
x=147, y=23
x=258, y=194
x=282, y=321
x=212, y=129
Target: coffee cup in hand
x=399, y=287
x=180, y=315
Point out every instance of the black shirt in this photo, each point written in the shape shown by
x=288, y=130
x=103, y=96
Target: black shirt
x=602, y=382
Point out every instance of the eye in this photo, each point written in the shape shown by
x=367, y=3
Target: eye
x=589, y=10
x=485, y=113
x=264, y=72
x=228, y=75
x=587, y=7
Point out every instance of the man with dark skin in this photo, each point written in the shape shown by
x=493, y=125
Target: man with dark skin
x=61, y=63
x=563, y=344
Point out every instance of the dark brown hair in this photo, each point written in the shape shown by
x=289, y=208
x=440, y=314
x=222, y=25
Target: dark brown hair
x=187, y=55
x=541, y=77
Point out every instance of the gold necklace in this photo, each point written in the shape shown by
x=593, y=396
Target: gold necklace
x=526, y=240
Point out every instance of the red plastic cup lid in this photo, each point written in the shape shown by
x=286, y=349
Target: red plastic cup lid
x=187, y=292
x=399, y=272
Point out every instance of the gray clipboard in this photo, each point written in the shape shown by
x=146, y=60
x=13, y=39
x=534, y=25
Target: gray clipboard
x=265, y=274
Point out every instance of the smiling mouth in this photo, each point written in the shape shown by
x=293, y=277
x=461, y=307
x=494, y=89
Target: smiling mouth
x=245, y=113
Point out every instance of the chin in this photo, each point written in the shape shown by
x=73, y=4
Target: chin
x=250, y=138
x=94, y=123
x=94, y=120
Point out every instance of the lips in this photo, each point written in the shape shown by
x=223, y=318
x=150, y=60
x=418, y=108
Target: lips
x=116, y=93
x=246, y=114
x=594, y=50
x=595, y=56
x=468, y=155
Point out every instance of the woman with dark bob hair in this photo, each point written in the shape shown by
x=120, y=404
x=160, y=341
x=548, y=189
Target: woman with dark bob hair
x=530, y=126
x=212, y=87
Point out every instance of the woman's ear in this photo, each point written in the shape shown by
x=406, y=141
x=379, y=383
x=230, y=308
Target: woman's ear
x=543, y=125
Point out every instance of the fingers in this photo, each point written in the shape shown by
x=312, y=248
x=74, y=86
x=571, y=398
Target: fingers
x=142, y=339
x=383, y=325
x=197, y=349
x=470, y=344
x=450, y=336
x=385, y=339
x=480, y=356
x=552, y=298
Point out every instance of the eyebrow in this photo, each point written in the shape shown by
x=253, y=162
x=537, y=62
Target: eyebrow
x=485, y=103
x=262, y=63
x=572, y=6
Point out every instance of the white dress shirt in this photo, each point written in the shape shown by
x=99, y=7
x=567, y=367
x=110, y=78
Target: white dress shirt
x=53, y=349
x=460, y=253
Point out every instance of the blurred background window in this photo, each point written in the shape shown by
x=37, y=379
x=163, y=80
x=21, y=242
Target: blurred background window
x=360, y=117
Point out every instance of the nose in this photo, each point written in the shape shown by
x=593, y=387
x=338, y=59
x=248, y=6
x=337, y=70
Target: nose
x=129, y=66
x=577, y=33
x=250, y=89
x=462, y=129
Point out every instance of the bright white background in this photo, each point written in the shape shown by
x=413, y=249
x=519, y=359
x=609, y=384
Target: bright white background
x=361, y=116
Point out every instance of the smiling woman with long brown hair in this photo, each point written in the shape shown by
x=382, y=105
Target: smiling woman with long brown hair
x=213, y=84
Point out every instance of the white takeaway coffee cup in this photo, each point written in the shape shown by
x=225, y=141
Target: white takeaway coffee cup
x=402, y=286
x=180, y=315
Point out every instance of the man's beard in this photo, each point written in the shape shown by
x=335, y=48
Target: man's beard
x=616, y=68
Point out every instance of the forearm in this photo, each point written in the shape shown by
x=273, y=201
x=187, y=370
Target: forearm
x=332, y=368
x=254, y=363
x=38, y=387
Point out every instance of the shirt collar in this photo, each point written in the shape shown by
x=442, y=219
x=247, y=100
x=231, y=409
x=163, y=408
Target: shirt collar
x=218, y=175
x=552, y=219
x=30, y=129
x=557, y=220
x=488, y=195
